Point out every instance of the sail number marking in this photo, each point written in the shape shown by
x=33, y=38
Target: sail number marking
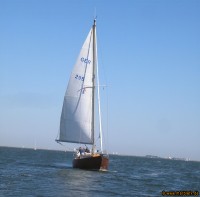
x=78, y=77
x=85, y=60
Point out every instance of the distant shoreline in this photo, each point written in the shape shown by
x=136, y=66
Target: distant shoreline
x=118, y=154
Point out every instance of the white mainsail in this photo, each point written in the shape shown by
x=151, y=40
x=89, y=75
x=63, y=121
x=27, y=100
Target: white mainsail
x=76, y=123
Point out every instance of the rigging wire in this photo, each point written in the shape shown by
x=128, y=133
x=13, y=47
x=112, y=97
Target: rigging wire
x=104, y=77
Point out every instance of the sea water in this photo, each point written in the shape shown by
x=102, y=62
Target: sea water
x=28, y=172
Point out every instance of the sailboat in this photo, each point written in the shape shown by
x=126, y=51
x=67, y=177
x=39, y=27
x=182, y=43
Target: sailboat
x=78, y=118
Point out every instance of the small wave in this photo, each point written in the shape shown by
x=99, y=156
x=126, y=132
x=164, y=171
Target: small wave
x=25, y=175
x=62, y=165
x=112, y=171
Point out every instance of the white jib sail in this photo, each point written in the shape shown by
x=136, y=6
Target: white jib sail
x=76, y=118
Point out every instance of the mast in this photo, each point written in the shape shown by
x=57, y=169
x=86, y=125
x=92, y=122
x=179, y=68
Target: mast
x=93, y=80
x=97, y=72
x=99, y=103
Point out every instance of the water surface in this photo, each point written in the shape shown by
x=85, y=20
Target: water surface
x=28, y=172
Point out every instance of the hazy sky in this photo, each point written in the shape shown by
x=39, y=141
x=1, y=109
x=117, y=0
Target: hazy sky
x=149, y=57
